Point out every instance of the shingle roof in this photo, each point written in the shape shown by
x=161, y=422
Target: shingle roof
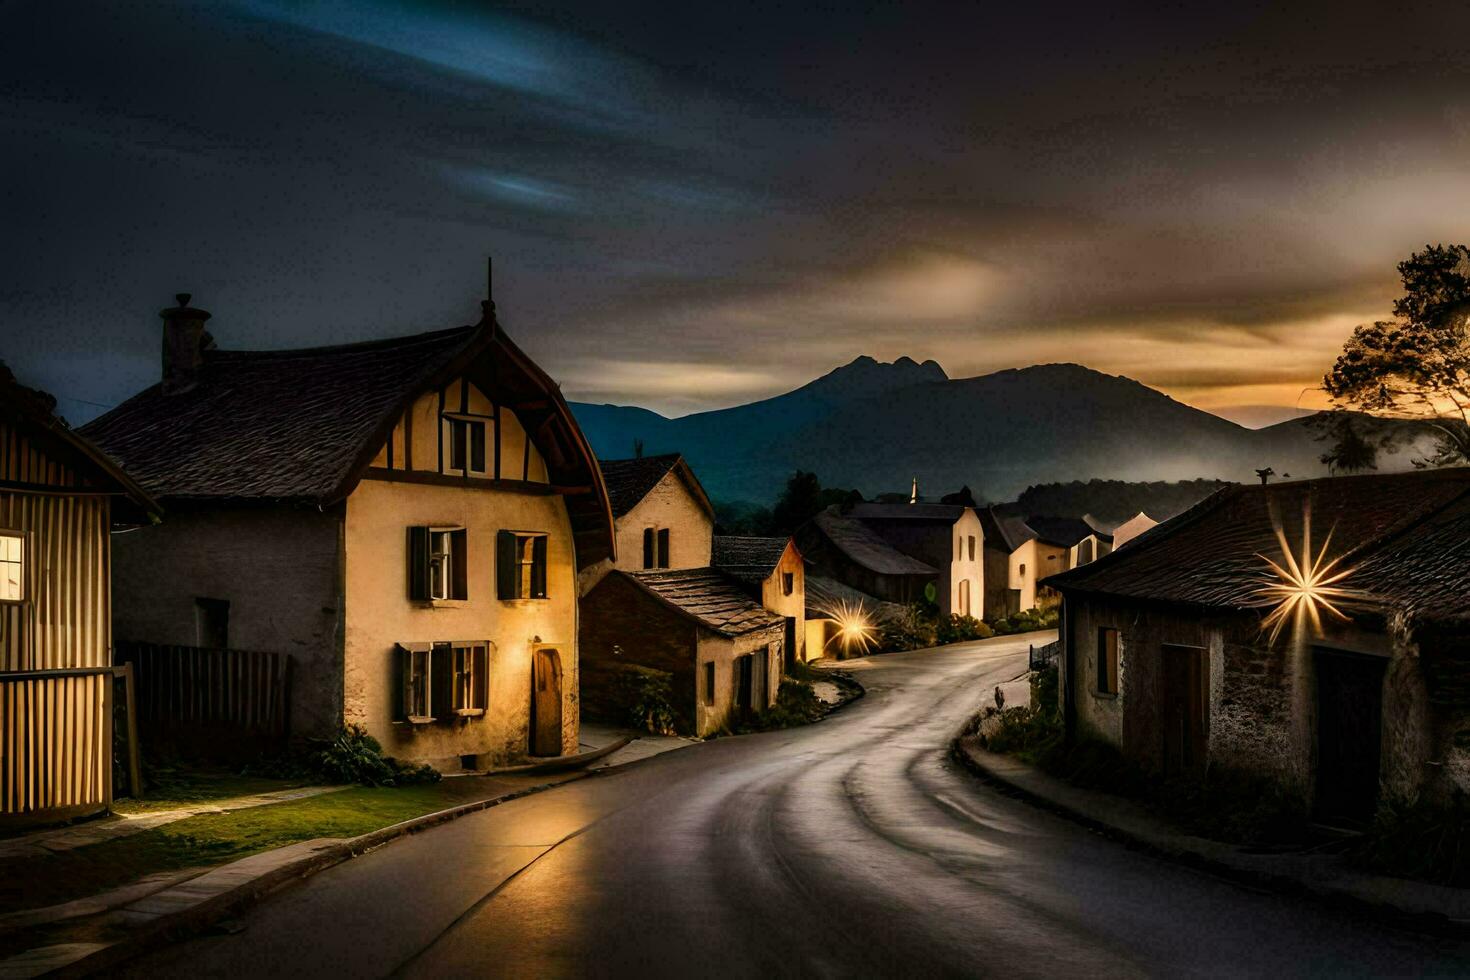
x=1011, y=525
x=629, y=480
x=709, y=597
x=871, y=511
x=286, y=425
x=1211, y=554
x=864, y=546
x=824, y=596
x=749, y=559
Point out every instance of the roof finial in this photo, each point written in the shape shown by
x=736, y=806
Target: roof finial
x=488, y=305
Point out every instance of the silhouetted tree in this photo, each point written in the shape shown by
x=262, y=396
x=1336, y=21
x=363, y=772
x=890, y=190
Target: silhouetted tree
x=1351, y=452
x=803, y=498
x=1415, y=366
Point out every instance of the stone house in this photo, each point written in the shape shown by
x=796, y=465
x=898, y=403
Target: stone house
x=898, y=552
x=773, y=572
x=719, y=647
x=405, y=518
x=59, y=496
x=1170, y=650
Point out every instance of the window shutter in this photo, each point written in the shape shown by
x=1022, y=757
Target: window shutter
x=481, y=693
x=538, y=567
x=459, y=565
x=648, y=556
x=401, y=667
x=441, y=681
x=506, y=575
x=477, y=446
x=663, y=548
x=418, y=563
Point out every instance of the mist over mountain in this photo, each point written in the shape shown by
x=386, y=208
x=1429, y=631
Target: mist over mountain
x=875, y=426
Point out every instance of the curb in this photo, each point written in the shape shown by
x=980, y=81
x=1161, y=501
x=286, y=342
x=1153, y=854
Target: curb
x=1345, y=899
x=850, y=687
x=563, y=762
x=195, y=919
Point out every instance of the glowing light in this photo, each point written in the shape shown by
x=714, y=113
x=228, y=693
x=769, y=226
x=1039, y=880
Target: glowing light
x=1300, y=590
x=854, y=629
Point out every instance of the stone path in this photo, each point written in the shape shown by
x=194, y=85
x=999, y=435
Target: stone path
x=45, y=842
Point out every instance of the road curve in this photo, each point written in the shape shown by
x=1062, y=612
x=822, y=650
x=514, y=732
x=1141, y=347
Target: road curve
x=854, y=847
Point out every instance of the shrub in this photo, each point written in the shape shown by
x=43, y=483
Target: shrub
x=958, y=629
x=796, y=704
x=646, y=697
x=1028, y=621
x=914, y=629
x=1411, y=838
x=351, y=756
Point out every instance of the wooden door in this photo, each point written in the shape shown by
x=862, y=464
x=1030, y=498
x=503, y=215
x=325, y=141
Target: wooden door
x=744, y=680
x=1185, y=708
x=1349, y=734
x=546, y=703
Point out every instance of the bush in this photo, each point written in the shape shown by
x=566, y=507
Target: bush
x=915, y=629
x=958, y=629
x=351, y=756
x=1411, y=838
x=646, y=697
x=796, y=704
x=1028, y=621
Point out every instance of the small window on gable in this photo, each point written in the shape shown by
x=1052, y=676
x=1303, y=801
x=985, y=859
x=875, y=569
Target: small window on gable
x=466, y=444
x=520, y=571
x=12, y=566
x=972, y=547
x=438, y=563
x=1023, y=569
x=663, y=547
x=1107, y=661
x=788, y=583
x=650, y=554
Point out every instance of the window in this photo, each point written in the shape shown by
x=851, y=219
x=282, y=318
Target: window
x=655, y=547
x=709, y=682
x=1107, y=661
x=1023, y=569
x=1084, y=551
x=470, y=685
x=959, y=548
x=212, y=623
x=663, y=547
x=438, y=563
x=466, y=444
x=972, y=547
x=520, y=565
x=788, y=583
x=12, y=566
x=414, y=674
x=649, y=554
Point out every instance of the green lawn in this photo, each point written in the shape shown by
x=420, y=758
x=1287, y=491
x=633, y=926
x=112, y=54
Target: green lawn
x=178, y=790
x=215, y=838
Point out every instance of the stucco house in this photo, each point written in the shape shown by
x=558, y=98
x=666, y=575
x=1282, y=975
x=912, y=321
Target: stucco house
x=720, y=648
x=1170, y=651
x=897, y=552
x=1048, y=546
x=773, y=572
x=59, y=496
x=1132, y=528
x=663, y=517
x=405, y=518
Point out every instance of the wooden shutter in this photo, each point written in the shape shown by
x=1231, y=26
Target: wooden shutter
x=538, y=567
x=506, y=566
x=459, y=565
x=648, y=555
x=481, y=693
x=663, y=548
x=418, y=563
x=477, y=446
x=402, y=664
x=441, y=681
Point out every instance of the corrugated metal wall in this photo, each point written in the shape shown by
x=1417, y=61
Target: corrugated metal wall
x=54, y=729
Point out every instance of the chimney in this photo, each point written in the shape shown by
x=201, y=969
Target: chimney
x=184, y=342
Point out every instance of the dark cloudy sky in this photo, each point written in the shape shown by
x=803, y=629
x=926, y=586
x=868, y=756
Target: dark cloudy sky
x=691, y=206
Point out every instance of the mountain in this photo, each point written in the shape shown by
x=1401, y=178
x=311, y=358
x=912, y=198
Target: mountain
x=875, y=426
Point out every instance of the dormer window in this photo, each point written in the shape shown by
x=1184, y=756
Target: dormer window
x=466, y=437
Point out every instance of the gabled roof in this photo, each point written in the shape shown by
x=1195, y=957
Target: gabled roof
x=1397, y=532
x=1063, y=531
x=630, y=480
x=709, y=597
x=863, y=545
x=825, y=596
x=33, y=413
x=1009, y=524
x=937, y=513
x=303, y=425
x=749, y=559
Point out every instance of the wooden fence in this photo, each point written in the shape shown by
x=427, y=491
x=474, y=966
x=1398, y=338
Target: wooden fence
x=233, y=700
x=56, y=732
x=1045, y=656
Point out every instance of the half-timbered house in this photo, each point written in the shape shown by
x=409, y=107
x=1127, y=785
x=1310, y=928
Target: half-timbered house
x=58, y=498
x=405, y=518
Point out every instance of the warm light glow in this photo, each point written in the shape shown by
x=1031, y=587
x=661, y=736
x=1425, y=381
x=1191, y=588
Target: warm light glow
x=854, y=629
x=1301, y=590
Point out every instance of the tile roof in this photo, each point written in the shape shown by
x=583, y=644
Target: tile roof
x=824, y=596
x=1011, y=524
x=1063, y=531
x=870, y=511
x=709, y=597
x=749, y=559
x=864, y=546
x=629, y=480
x=1398, y=531
x=287, y=425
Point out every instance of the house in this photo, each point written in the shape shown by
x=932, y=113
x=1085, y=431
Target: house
x=405, y=518
x=1131, y=529
x=772, y=571
x=902, y=552
x=1189, y=652
x=59, y=496
x=719, y=647
x=663, y=517
x=1050, y=545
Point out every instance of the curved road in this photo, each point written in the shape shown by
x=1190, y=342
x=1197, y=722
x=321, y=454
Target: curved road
x=854, y=847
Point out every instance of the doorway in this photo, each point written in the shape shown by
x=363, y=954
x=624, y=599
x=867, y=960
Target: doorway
x=1349, y=733
x=1185, y=708
x=790, y=643
x=545, y=702
x=744, y=683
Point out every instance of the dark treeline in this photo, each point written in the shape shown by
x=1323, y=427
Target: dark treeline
x=1116, y=499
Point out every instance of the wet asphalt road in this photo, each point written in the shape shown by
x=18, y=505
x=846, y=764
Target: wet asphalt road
x=854, y=847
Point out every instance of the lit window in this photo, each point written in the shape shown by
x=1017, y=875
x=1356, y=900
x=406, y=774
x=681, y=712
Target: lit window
x=466, y=444
x=471, y=677
x=438, y=563
x=521, y=565
x=12, y=566
x=414, y=677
